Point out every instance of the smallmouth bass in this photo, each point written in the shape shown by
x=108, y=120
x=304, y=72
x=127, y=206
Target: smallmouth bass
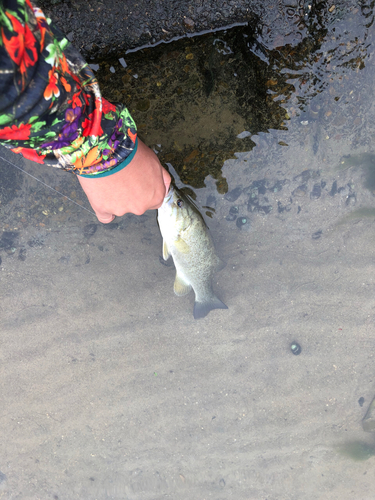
x=186, y=238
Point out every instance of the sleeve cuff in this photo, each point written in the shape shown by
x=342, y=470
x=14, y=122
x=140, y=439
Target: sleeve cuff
x=114, y=170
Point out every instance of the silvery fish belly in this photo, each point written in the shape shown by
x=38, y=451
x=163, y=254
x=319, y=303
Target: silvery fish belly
x=187, y=240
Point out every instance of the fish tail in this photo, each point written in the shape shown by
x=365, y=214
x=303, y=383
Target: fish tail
x=201, y=309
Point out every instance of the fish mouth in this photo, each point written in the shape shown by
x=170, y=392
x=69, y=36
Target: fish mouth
x=168, y=195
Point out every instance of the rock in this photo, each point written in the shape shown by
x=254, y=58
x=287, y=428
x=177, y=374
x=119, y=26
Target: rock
x=90, y=230
x=8, y=239
x=333, y=189
x=317, y=235
x=234, y=194
x=189, y=23
x=316, y=192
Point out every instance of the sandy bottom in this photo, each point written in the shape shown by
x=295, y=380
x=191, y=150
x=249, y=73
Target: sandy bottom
x=110, y=388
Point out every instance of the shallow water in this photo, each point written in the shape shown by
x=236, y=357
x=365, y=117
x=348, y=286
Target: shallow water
x=199, y=100
x=111, y=389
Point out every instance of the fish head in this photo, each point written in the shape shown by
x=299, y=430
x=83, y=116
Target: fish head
x=177, y=209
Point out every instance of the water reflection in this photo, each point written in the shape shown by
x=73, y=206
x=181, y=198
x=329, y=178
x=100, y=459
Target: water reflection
x=199, y=100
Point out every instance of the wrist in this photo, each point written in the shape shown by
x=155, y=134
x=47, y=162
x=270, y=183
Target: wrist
x=116, y=169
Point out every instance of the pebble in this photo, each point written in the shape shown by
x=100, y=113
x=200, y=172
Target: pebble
x=300, y=191
x=316, y=192
x=351, y=200
x=295, y=348
x=234, y=194
x=8, y=239
x=334, y=189
x=241, y=221
x=143, y=105
x=233, y=212
x=189, y=23
x=22, y=254
x=243, y=134
x=90, y=230
x=231, y=217
x=317, y=235
x=211, y=201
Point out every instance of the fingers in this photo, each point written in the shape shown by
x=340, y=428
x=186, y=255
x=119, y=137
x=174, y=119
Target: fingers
x=166, y=179
x=163, y=191
x=104, y=217
x=106, y=221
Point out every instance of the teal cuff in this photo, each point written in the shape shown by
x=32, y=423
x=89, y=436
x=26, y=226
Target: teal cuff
x=119, y=167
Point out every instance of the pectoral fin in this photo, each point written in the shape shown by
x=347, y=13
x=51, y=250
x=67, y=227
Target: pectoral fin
x=180, y=287
x=166, y=252
x=181, y=246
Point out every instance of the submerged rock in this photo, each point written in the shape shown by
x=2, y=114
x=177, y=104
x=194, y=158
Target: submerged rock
x=234, y=194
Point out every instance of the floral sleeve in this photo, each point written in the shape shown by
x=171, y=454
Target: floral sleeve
x=51, y=109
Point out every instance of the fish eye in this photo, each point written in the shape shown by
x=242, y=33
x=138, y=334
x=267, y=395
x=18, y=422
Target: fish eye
x=180, y=203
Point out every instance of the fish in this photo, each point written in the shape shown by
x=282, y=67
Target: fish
x=187, y=239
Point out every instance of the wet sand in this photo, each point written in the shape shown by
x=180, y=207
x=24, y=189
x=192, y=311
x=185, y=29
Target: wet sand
x=110, y=388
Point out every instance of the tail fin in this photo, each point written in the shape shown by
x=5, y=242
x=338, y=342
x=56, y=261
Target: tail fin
x=201, y=309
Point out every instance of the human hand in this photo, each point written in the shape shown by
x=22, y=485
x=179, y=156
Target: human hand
x=140, y=186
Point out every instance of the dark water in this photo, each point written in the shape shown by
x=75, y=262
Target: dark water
x=199, y=100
